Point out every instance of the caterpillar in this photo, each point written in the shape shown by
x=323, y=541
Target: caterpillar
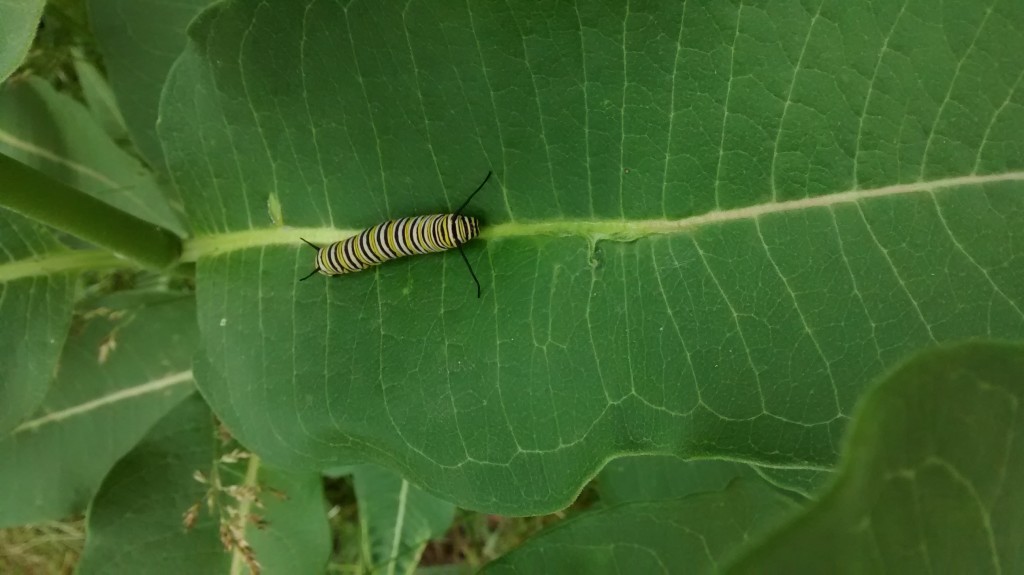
x=399, y=238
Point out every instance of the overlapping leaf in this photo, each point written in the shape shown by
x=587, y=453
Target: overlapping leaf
x=18, y=22
x=654, y=477
x=58, y=136
x=119, y=373
x=711, y=224
x=136, y=521
x=930, y=479
x=35, y=312
x=694, y=534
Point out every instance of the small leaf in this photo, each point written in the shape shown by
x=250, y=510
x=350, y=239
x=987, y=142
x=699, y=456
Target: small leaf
x=135, y=520
x=100, y=99
x=136, y=523
x=96, y=411
x=18, y=23
x=807, y=482
x=398, y=519
x=930, y=479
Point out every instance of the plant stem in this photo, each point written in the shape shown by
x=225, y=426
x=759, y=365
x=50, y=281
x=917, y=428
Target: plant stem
x=34, y=195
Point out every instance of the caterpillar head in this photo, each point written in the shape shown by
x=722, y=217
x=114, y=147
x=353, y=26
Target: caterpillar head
x=317, y=267
x=465, y=228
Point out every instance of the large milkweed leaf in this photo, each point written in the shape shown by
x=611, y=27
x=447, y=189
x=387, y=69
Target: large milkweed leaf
x=397, y=519
x=711, y=223
x=123, y=367
x=19, y=20
x=693, y=534
x=60, y=137
x=930, y=478
x=35, y=311
x=135, y=523
x=139, y=40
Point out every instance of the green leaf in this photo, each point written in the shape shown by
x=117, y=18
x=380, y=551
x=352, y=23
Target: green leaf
x=19, y=20
x=139, y=40
x=297, y=538
x=119, y=373
x=58, y=136
x=930, y=478
x=35, y=311
x=100, y=99
x=135, y=522
x=806, y=482
x=694, y=534
x=710, y=225
x=397, y=519
x=654, y=477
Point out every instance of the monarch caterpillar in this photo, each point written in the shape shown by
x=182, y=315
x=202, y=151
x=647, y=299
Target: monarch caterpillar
x=398, y=238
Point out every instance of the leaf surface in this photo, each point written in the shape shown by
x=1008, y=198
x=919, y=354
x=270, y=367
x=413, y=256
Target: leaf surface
x=100, y=99
x=930, y=479
x=19, y=20
x=711, y=223
x=653, y=477
x=35, y=312
x=694, y=534
x=60, y=137
x=807, y=482
x=119, y=373
x=139, y=40
x=135, y=522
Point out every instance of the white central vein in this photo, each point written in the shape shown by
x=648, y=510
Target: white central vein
x=154, y=386
x=219, y=244
x=396, y=539
x=30, y=148
x=597, y=229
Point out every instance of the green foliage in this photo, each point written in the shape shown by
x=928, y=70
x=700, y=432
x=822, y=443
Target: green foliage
x=139, y=40
x=136, y=521
x=690, y=535
x=925, y=481
x=18, y=24
x=35, y=311
x=711, y=227
x=398, y=519
x=58, y=136
x=125, y=365
x=655, y=477
x=929, y=480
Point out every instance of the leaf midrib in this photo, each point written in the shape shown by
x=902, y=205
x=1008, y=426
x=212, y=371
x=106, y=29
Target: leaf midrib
x=595, y=230
x=128, y=393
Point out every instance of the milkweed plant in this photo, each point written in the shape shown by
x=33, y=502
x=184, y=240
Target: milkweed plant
x=742, y=291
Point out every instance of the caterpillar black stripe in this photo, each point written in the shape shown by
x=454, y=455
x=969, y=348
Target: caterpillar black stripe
x=397, y=238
